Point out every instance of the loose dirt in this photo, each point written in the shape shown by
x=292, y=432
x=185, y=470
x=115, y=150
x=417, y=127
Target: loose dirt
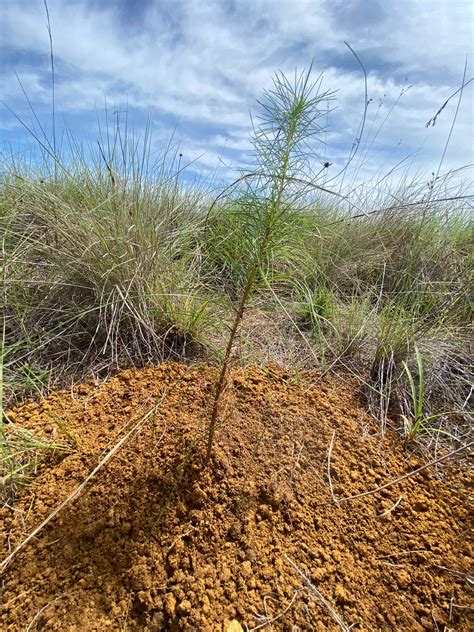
x=156, y=542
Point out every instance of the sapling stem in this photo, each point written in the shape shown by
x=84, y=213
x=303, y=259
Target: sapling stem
x=225, y=364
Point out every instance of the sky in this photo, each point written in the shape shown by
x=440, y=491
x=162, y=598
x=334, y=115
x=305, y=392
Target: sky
x=199, y=67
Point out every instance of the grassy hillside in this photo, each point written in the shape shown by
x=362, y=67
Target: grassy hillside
x=114, y=262
x=99, y=275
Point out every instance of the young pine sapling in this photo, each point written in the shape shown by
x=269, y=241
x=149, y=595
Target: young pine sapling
x=283, y=152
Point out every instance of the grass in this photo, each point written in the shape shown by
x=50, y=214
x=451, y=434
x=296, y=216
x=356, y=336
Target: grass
x=23, y=453
x=98, y=264
x=417, y=422
x=109, y=260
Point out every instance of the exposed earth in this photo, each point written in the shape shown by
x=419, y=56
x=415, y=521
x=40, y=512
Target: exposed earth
x=156, y=541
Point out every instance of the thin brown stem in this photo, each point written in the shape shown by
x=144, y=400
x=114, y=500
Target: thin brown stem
x=408, y=475
x=225, y=364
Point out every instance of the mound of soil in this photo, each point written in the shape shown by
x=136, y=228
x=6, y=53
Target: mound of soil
x=254, y=541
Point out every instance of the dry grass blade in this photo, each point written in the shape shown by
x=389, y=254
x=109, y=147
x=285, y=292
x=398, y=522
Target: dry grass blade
x=392, y=508
x=320, y=597
x=329, y=466
x=270, y=620
x=408, y=475
x=33, y=622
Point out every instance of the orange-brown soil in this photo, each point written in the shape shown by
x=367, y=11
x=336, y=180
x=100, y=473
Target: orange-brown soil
x=157, y=542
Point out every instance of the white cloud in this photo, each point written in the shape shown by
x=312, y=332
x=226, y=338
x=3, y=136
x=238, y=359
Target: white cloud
x=202, y=64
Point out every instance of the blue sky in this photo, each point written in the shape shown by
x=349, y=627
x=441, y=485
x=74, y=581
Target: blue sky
x=200, y=65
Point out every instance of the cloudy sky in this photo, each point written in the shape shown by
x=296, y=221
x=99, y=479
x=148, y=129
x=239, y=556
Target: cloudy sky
x=200, y=65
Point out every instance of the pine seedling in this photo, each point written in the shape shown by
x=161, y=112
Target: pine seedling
x=282, y=148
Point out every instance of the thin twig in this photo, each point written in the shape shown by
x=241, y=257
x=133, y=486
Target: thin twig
x=390, y=509
x=278, y=616
x=409, y=475
x=329, y=467
x=320, y=597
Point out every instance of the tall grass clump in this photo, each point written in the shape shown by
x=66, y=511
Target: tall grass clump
x=102, y=264
x=380, y=286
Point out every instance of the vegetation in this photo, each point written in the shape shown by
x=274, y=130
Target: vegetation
x=113, y=260
x=417, y=422
x=264, y=212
